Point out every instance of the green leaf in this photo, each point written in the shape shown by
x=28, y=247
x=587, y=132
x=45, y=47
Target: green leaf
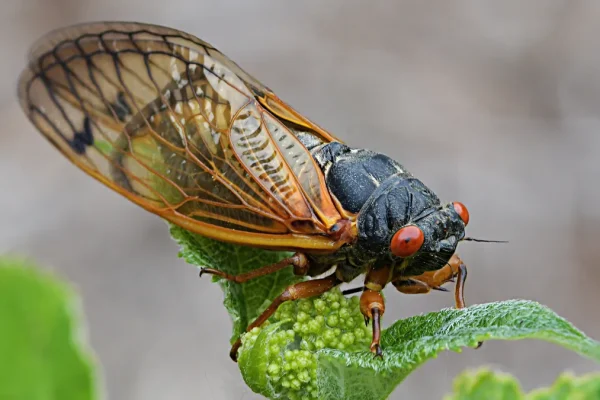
x=246, y=301
x=569, y=387
x=489, y=385
x=409, y=343
x=41, y=350
x=340, y=373
x=254, y=363
x=485, y=384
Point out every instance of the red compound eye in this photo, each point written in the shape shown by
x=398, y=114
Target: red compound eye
x=407, y=241
x=462, y=212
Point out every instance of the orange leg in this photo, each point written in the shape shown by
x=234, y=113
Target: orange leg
x=459, y=292
x=372, y=306
x=444, y=274
x=298, y=291
x=298, y=260
x=434, y=279
x=431, y=280
x=414, y=286
x=459, y=289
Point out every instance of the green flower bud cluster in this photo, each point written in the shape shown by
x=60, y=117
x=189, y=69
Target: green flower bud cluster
x=329, y=321
x=306, y=326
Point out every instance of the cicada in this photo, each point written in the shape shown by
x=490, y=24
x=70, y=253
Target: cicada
x=172, y=124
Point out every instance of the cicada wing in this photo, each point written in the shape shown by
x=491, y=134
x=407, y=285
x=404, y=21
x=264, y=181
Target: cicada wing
x=171, y=123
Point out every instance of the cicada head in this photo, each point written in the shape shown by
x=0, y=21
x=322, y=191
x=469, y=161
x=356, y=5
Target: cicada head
x=404, y=224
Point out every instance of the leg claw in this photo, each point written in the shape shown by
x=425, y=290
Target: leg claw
x=352, y=291
x=234, y=350
x=376, y=350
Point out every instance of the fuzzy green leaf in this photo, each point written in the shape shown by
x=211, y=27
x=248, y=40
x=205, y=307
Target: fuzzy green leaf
x=340, y=373
x=489, y=385
x=409, y=343
x=42, y=356
x=246, y=301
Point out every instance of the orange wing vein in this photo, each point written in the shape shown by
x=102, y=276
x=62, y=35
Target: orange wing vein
x=172, y=124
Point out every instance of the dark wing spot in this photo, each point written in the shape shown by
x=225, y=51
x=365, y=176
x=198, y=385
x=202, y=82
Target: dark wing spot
x=121, y=108
x=83, y=138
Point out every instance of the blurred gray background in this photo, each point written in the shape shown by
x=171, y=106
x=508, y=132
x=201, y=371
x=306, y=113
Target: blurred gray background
x=492, y=103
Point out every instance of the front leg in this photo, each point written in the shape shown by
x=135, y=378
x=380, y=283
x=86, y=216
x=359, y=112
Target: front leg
x=372, y=307
x=423, y=283
x=433, y=280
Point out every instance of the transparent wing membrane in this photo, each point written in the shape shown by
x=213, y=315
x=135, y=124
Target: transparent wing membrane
x=175, y=126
